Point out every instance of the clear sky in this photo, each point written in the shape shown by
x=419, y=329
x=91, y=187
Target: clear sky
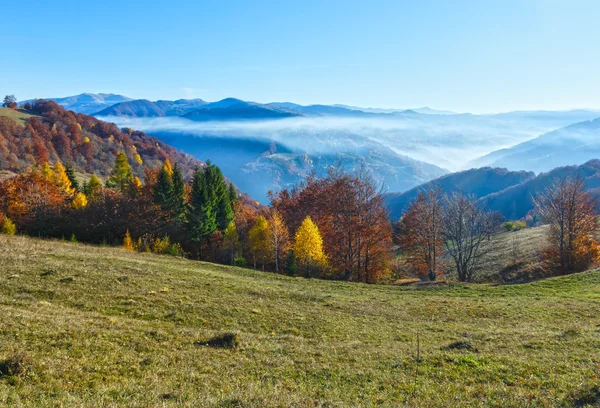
x=477, y=56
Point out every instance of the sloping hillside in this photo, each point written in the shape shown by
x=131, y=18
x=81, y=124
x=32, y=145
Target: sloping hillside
x=571, y=145
x=103, y=326
x=50, y=133
x=509, y=193
x=516, y=201
x=476, y=182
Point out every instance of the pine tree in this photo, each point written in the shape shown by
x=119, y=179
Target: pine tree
x=163, y=189
x=62, y=180
x=260, y=240
x=71, y=175
x=177, y=205
x=308, y=246
x=121, y=176
x=93, y=187
x=217, y=185
x=201, y=217
x=233, y=197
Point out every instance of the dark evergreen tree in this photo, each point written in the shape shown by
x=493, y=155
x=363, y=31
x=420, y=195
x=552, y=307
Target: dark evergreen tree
x=201, y=217
x=163, y=189
x=71, y=176
x=223, y=207
x=177, y=205
x=233, y=197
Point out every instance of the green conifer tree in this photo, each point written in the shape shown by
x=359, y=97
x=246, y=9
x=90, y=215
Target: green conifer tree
x=121, y=176
x=201, y=217
x=177, y=205
x=233, y=197
x=163, y=189
x=71, y=175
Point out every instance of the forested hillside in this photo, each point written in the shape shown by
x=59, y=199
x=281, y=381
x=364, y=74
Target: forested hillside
x=45, y=132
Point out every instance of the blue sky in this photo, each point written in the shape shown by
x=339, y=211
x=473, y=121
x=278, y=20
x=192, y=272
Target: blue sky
x=476, y=56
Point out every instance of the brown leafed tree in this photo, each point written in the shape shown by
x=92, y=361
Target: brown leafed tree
x=421, y=235
x=349, y=212
x=572, y=214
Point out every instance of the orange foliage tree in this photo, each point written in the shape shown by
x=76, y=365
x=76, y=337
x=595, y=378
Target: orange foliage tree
x=421, y=235
x=351, y=216
x=572, y=214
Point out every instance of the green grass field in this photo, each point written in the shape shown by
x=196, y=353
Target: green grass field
x=19, y=115
x=104, y=327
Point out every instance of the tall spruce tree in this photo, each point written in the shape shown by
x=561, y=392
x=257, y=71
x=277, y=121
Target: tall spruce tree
x=163, y=189
x=177, y=205
x=233, y=197
x=224, y=208
x=71, y=175
x=201, y=217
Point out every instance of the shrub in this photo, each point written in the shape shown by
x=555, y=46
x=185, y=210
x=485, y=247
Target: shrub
x=240, y=261
x=165, y=247
x=514, y=225
x=73, y=238
x=9, y=227
x=160, y=245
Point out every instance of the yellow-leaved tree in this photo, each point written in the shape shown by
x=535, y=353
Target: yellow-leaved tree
x=128, y=242
x=80, y=201
x=260, y=240
x=168, y=168
x=308, y=248
x=231, y=240
x=62, y=180
x=280, y=238
x=47, y=171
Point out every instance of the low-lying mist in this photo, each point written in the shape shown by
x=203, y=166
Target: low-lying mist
x=446, y=141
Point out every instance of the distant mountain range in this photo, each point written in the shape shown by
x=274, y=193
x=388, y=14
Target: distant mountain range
x=87, y=103
x=235, y=109
x=147, y=109
x=573, y=144
x=509, y=193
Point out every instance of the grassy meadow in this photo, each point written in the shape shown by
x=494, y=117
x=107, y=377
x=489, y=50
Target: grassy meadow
x=94, y=326
x=20, y=115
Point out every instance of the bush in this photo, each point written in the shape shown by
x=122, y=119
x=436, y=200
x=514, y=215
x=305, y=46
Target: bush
x=514, y=225
x=9, y=227
x=240, y=261
x=165, y=247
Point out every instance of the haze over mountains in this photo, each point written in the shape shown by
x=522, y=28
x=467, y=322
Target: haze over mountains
x=269, y=146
